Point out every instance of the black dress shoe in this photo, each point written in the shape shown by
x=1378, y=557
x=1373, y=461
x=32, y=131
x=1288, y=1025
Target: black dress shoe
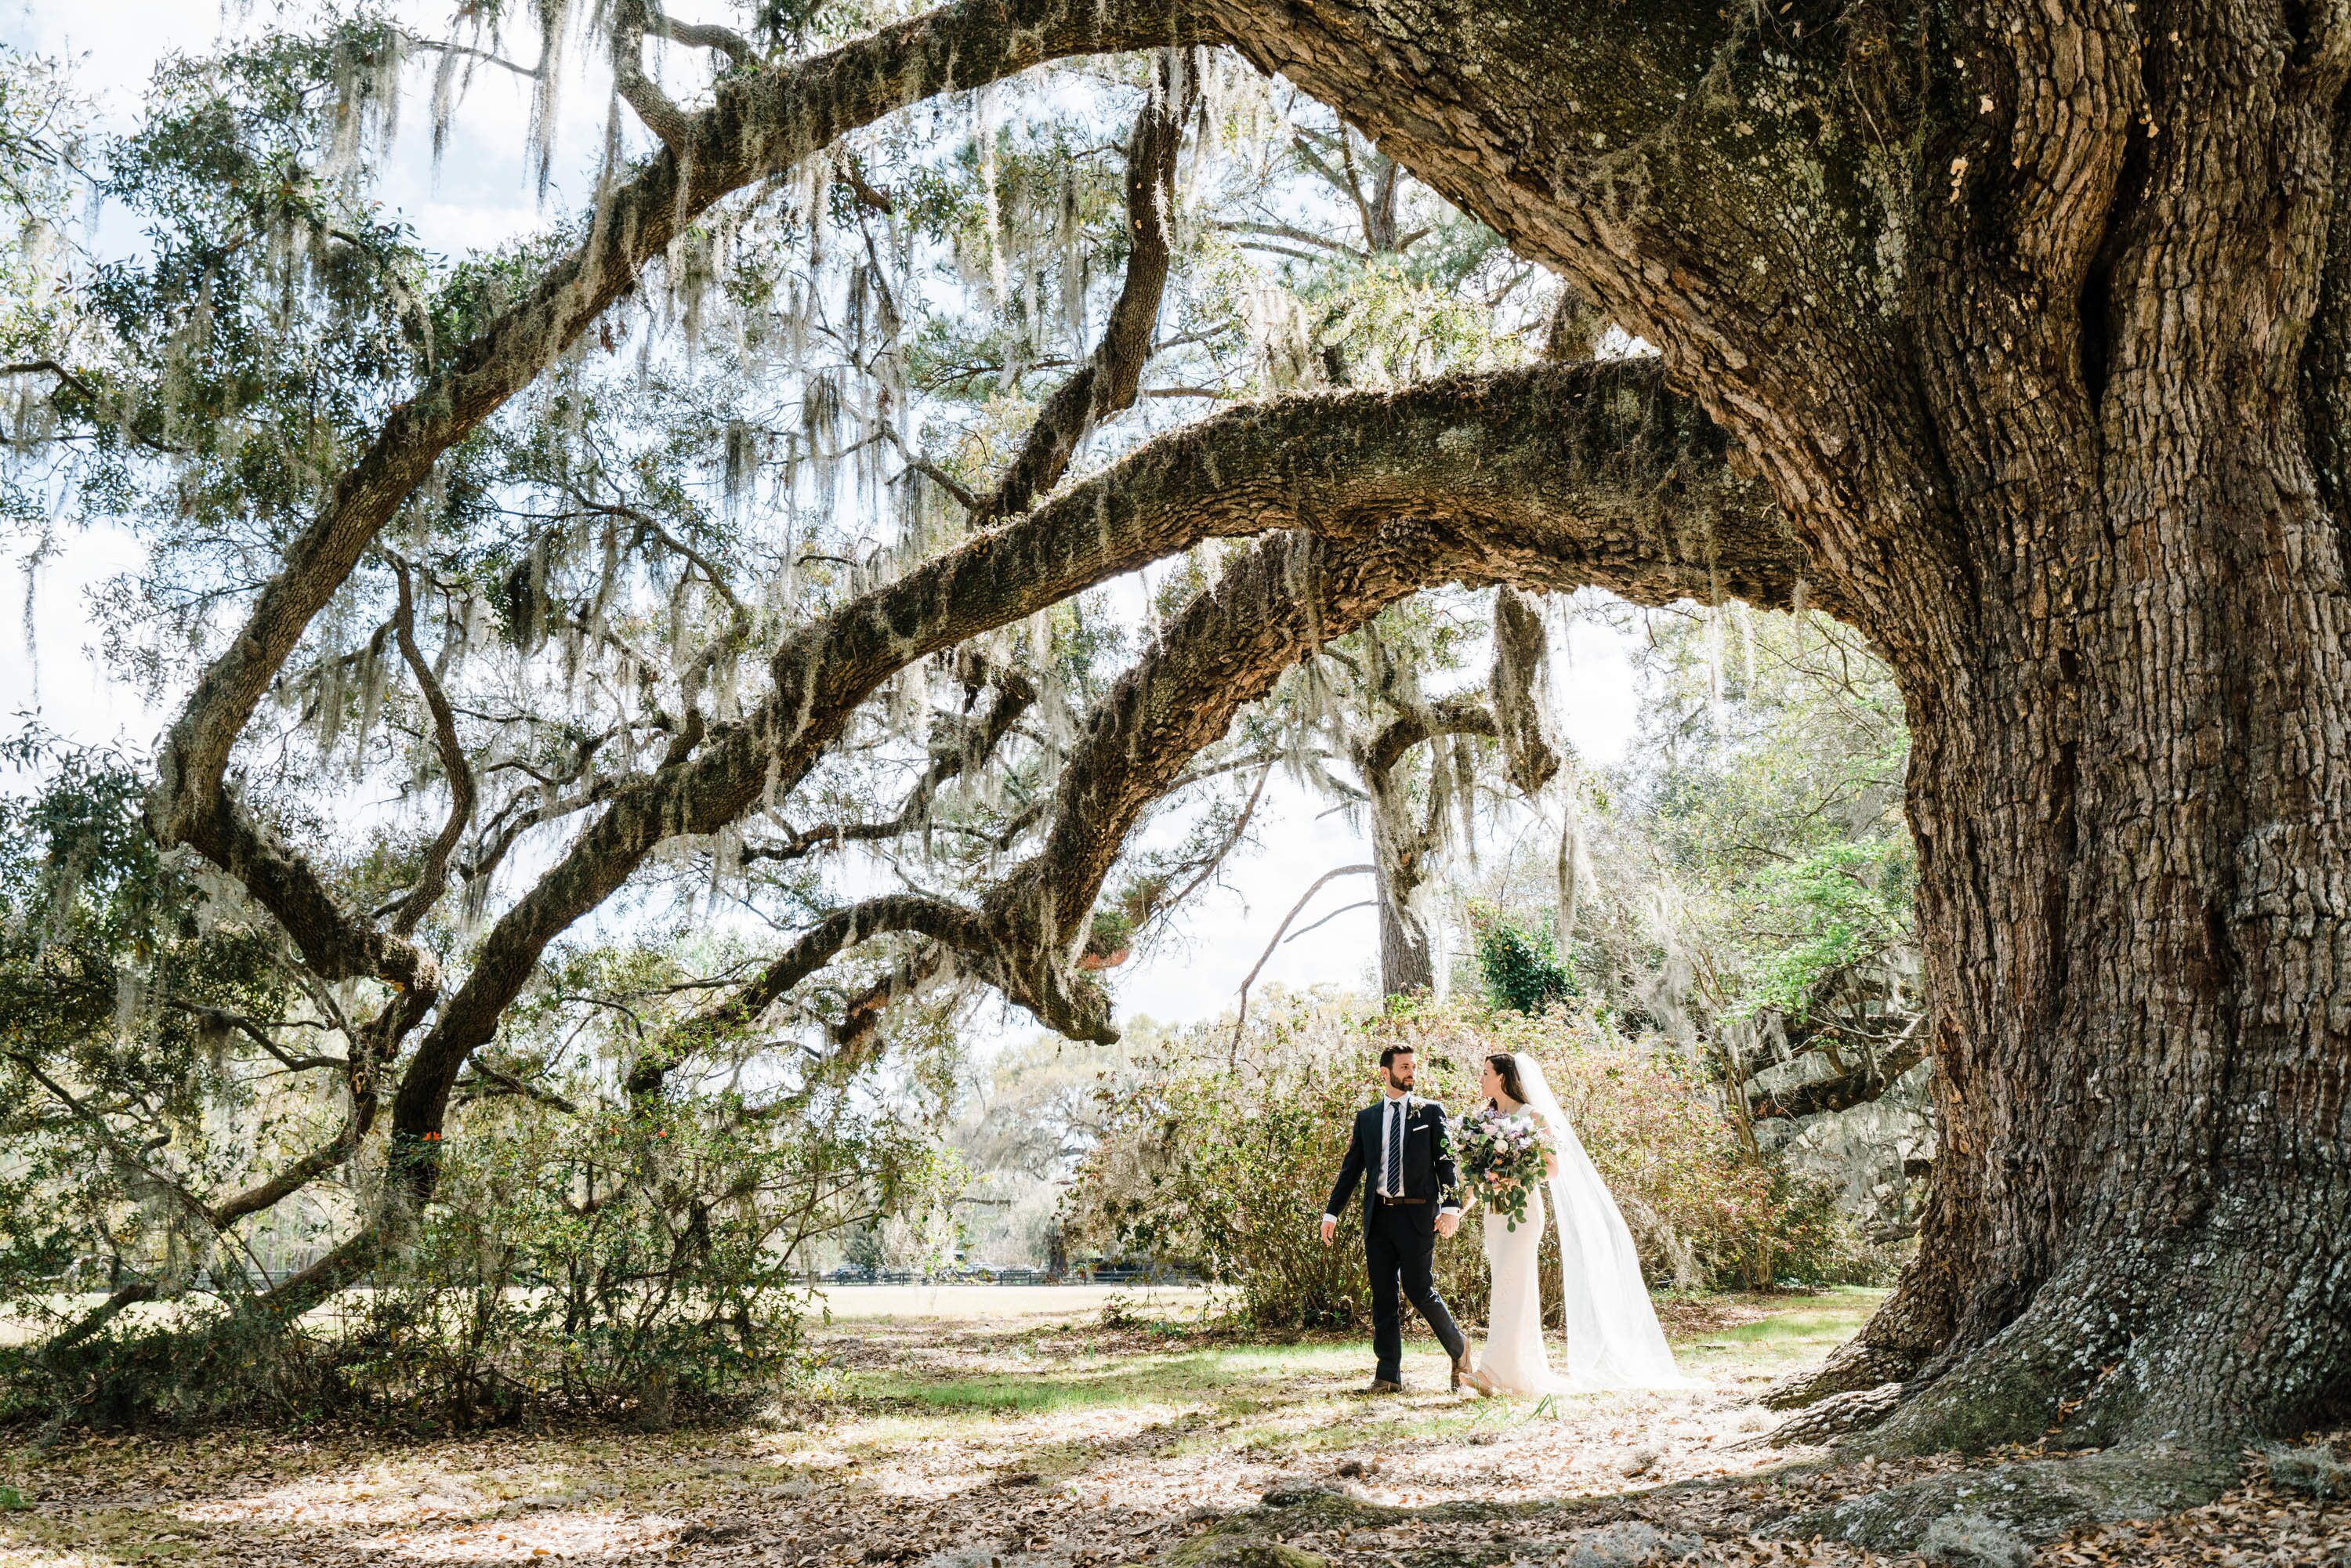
x=1384, y=1385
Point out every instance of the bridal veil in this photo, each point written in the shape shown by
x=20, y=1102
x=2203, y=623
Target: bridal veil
x=1613, y=1337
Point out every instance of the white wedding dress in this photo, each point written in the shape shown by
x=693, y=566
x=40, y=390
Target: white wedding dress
x=1613, y=1337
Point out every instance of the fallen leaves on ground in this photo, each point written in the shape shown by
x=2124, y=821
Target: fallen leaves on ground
x=1063, y=1444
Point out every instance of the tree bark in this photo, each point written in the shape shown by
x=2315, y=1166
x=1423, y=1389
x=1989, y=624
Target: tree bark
x=1407, y=957
x=1403, y=852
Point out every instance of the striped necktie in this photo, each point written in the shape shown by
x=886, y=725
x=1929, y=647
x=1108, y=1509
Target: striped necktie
x=1396, y=1148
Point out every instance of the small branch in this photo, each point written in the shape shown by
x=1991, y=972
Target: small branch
x=706, y=36
x=1014, y=694
x=1343, y=909
x=435, y=878
x=868, y=195
x=1240, y=1016
x=1209, y=869
x=50, y=367
x=464, y=51
x=1107, y=382
x=487, y=1074
x=640, y=91
x=252, y=1031
x=1285, y=231
x=937, y=475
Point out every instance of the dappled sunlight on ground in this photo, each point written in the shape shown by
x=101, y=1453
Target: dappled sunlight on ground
x=1015, y=1442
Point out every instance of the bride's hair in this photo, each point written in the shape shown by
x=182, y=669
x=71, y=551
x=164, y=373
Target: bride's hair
x=1507, y=1067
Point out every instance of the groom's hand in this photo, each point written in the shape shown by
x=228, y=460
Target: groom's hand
x=1330, y=1229
x=1449, y=1222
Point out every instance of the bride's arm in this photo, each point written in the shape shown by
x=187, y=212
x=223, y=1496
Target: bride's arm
x=1550, y=1146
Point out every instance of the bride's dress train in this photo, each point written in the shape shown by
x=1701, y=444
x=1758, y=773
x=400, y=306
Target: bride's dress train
x=1613, y=1337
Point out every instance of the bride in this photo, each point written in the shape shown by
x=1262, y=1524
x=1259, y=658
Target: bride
x=1612, y=1338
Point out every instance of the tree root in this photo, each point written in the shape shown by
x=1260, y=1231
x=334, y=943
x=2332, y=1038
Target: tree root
x=1840, y=1414
x=1855, y=1366
x=2033, y=1500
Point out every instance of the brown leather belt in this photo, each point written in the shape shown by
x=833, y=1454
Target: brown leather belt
x=1387, y=1202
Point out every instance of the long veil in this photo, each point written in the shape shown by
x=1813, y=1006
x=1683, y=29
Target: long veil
x=1613, y=1337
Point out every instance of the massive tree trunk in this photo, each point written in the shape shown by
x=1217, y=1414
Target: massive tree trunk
x=2129, y=789
x=2010, y=307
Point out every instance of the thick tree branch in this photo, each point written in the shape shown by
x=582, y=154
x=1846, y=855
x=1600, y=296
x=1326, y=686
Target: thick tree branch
x=1553, y=477
x=659, y=112
x=1447, y=716
x=1601, y=455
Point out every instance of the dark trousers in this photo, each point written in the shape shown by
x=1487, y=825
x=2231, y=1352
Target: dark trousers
x=1400, y=1248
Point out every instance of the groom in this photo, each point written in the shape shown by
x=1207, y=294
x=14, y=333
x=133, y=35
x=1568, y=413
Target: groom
x=1408, y=1203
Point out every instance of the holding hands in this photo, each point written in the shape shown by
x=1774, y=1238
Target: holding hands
x=1447, y=1222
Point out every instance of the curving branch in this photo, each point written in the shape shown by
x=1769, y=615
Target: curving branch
x=643, y=96
x=435, y=876
x=1447, y=716
x=1600, y=453
x=726, y=41
x=1106, y=384
x=1240, y=1006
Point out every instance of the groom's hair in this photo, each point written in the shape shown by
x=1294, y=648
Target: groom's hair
x=1389, y=1053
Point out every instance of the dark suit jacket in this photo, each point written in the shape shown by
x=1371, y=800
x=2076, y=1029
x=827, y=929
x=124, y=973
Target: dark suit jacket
x=1428, y=1173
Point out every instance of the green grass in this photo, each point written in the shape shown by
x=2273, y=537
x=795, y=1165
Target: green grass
x=1227, y=1375
x=1242, y=1382
x=1806, y=1329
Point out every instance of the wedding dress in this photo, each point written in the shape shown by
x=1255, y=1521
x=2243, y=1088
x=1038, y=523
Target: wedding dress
x=1613, y=1337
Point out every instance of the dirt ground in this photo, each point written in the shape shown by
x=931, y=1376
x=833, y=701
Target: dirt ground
x=1029, y=1438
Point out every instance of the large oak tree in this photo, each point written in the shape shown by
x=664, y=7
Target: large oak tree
x=2016, y=337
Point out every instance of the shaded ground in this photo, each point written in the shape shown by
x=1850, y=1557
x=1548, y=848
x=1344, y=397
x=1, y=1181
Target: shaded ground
x=1069, y=1442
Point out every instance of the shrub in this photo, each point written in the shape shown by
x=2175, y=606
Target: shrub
x=640, y=1263
x=1518, y=963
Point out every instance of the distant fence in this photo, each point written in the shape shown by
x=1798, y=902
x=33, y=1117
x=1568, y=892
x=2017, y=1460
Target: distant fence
x=93, y=1276
x=1104, y=1276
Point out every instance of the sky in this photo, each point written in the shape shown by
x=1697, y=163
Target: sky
x=481, y=195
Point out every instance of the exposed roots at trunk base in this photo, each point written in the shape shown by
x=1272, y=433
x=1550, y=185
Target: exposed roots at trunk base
x=1854, y=1410
x=1972, y=1516
x=1856, y=1366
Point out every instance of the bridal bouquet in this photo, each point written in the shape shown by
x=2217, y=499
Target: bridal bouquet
x=1504, y=1157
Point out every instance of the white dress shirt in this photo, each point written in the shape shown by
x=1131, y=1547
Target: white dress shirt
x=1394, y=1116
